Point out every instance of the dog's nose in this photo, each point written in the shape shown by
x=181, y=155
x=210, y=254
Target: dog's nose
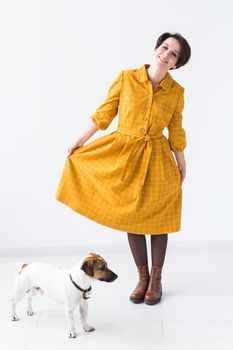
x=114, y=277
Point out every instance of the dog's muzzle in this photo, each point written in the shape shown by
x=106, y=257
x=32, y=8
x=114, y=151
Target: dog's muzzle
x=109, y=278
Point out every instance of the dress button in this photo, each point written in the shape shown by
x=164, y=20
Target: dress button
x=148, y=106
x=145, y=118
x=149, y=96
x=142, y=129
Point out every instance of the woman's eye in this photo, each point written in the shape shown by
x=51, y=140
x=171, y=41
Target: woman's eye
x=174, y=54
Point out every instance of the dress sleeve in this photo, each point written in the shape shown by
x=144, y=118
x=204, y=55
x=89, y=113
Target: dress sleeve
x=177, y=136
x=105, y=113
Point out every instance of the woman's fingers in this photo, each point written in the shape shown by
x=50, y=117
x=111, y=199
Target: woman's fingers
x=183, y=174
x=72, y=148
x=70, y=151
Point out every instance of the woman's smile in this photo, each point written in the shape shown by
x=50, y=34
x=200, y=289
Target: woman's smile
x=163, y=60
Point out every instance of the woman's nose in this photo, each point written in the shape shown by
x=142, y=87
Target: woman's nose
x=164, y=57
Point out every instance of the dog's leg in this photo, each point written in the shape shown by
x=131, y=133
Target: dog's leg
x=21, y=285
x=17, y=296
x=33, y=291
x=70, y=320
x=14, y=317
x=83, y=307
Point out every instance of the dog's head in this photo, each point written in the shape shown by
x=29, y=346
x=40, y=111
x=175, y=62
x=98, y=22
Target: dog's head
x=96, y=267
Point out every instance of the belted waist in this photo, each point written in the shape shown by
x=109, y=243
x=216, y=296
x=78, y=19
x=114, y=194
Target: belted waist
x=141, y=146
x=146, y=137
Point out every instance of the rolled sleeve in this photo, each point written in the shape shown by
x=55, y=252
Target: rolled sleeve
x=177, y=135
x=106, y=112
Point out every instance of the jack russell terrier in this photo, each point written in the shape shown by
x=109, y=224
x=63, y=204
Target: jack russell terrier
x=68, y=286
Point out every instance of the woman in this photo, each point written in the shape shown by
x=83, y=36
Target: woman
x=129, y=179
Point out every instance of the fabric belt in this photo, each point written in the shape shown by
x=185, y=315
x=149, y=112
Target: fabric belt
x=141, y=145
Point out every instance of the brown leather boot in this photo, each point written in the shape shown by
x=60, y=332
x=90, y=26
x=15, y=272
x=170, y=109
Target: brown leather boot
x=138, y=293
x=154, y=290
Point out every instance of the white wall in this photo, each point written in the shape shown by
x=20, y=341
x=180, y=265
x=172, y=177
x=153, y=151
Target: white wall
x=57, y=61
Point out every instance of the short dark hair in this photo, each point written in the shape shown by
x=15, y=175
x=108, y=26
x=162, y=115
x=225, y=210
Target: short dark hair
x=185, y=49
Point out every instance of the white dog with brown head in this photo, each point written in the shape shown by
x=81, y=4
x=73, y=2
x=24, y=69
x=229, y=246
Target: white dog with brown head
x=68, y=286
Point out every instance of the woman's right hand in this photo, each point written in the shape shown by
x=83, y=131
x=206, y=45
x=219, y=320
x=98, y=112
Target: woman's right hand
x=77, y=144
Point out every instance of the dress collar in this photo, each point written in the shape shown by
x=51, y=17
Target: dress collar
x=142, y=76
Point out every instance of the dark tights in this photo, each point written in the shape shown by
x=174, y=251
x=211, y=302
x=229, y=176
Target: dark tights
x=137, y=245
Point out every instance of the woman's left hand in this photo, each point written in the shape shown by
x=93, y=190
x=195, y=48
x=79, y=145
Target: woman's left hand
x=181, y=163
x=182, y=170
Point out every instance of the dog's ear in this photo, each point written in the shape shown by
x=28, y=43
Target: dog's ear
x=88, y=268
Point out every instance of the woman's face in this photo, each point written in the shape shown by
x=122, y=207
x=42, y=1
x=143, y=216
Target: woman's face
x=167, y=54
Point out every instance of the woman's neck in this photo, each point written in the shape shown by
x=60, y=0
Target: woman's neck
x=155, y=74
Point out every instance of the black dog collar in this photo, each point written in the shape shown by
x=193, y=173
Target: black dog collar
x=85, y=291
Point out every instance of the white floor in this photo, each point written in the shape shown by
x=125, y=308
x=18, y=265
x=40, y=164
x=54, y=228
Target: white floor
x=196, y=311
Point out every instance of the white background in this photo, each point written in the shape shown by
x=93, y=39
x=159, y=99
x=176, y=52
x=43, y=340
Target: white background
x=58, y=59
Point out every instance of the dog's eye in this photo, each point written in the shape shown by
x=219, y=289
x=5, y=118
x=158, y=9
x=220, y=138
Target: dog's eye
x=102, y=268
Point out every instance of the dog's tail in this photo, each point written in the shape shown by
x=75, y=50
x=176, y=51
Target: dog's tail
x=20, y=266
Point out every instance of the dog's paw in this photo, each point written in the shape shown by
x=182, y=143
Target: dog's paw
x=14, y=318
x=72, y=334
x=30, y=312
x=88, y=328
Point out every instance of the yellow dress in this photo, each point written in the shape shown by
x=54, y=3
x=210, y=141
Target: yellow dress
x=128, y=179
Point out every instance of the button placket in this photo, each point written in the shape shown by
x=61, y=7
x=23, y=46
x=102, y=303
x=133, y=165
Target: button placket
x=146, y=117
x=150, y=96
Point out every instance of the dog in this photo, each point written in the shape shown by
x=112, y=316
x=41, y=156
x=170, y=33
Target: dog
x=68, y=286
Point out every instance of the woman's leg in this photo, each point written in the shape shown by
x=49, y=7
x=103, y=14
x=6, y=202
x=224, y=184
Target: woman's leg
x=158, y=252
x=158, y=249
x=138, y=248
